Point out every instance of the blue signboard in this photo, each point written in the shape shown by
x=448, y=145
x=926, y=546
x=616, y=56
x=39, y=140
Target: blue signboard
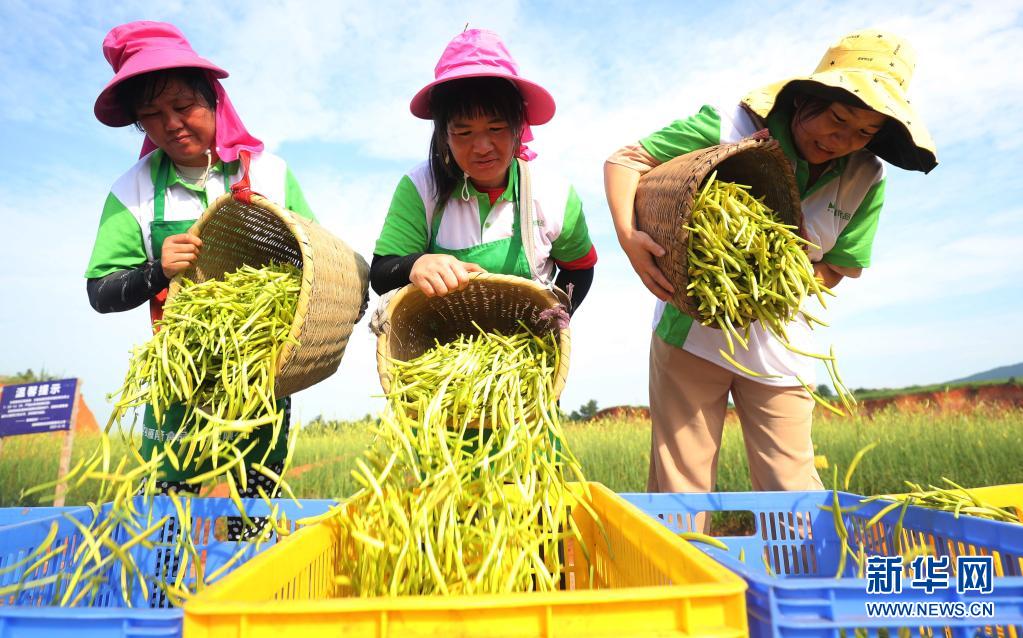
x=30, y=408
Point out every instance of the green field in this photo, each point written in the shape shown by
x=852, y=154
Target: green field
x=982, y=447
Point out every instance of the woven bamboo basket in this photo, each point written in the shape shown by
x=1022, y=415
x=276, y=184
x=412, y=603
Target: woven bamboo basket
x=665, y=198
x=334, y=279
x=495, y=302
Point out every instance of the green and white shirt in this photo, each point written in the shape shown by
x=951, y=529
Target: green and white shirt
x=123, y=238
x=840, y=212
x=560, y=234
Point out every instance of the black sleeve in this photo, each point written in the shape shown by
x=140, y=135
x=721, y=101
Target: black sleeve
x=126, y=289
x=388, y=272
x=580, y=281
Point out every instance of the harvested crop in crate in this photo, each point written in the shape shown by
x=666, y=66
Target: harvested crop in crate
x=466, y=491
x=955, y=499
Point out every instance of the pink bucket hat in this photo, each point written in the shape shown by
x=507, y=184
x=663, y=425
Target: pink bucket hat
x=143, y=46
x=140, y=47
x=478, y=53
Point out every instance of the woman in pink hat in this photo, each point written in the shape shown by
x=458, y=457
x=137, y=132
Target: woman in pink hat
x=835, y=126
x=462, y=210
x=194, y=151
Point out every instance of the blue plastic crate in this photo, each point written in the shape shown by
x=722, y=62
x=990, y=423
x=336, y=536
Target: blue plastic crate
x=800, y=597
x=17, y=515
x=29, y=614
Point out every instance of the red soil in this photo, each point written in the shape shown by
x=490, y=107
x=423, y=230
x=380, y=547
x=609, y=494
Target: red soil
x=1006, y=395
x=951, y=400
x=630, y=412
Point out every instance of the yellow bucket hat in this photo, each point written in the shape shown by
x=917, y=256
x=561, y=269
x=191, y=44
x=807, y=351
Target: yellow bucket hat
x=871, y=69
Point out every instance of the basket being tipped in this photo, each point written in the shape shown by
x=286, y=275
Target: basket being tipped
x=666, y=196
x=335, y=279
x=496, y=303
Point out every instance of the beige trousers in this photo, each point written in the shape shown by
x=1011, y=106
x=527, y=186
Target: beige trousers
x=688, y=399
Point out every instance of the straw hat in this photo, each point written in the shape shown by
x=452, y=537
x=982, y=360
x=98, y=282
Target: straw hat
x=871, y=69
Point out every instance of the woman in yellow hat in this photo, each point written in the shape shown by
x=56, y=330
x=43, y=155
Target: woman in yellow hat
x=835, y=126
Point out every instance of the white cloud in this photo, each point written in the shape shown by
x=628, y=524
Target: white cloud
x=944, y=265
x=344, y=71
x=1007, y=218
x=45, y=315
x=611, y=338
x=883, y=353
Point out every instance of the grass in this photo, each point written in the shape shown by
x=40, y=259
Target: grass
x=982, y=447
x=975, y=448
x=28, y=461
x=330, y=452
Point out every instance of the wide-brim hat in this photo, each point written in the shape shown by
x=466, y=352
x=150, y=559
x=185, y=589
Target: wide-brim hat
x=476, y=53
x=870, y=69
x=140, y=47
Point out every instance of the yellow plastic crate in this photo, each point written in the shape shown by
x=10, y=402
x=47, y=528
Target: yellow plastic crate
x=648, y=582
x=1007, y=496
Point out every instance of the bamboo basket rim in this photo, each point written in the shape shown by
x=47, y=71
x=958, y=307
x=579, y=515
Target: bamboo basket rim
x=548, y=296
x=690, y=172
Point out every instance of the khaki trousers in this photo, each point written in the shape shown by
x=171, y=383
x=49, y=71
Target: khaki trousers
x=688, y=399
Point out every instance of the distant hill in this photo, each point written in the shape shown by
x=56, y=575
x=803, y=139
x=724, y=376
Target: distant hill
x=1015, y=370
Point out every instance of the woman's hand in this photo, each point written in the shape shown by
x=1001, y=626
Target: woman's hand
x=826, y=274
x=179, y=253
x=641, y=250
x=437, y=275
x=620, y=185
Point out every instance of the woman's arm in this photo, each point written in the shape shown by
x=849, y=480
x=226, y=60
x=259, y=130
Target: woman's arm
x=435, y=275
x=120, y=275
x=388, y=272
x=573, y=252
x=400, y=255
x=126, y=289
x=621, y=178
x=131, y=287
x=580, y=282
x=826, y=275
x=831, y=274
x=620, y=184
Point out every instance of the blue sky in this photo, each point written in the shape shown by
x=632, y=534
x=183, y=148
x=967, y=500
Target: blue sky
x=327, y=84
